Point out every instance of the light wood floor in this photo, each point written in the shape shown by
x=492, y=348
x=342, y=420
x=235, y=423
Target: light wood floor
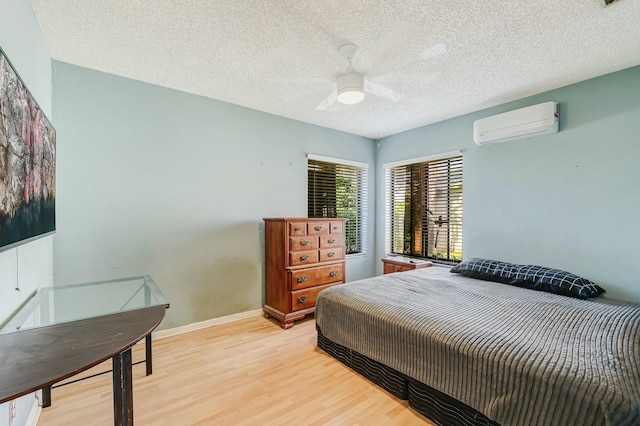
x=250, y=372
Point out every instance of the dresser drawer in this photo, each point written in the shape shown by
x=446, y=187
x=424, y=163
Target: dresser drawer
x=327, y=255
x=317, y=276
x=298, y=228
x=306, y=298
x=303, y=257
x=317, y=228
x=335, y=227
x=328, y=241
x=303, y=243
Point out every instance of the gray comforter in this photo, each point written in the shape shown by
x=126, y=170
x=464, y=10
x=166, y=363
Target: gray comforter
x=519, y=356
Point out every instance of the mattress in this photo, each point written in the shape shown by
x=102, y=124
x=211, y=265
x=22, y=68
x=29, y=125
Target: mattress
x=518, y=356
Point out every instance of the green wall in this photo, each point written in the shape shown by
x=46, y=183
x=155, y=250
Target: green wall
x=569, y=200
x=161, y=182
x=156, y=181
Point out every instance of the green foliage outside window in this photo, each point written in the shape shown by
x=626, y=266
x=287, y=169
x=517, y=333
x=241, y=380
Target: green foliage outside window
x=337, y=190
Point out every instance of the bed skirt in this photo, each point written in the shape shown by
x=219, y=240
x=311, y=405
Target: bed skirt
x=434, y=405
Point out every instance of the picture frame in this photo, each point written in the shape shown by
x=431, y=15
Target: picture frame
x=27, y=163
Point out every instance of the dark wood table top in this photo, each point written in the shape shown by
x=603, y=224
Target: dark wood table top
x=39, y=357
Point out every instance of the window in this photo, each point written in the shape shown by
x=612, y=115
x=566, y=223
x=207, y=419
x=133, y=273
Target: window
x=424, y=209
x=338, y=188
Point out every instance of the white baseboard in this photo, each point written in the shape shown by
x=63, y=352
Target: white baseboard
x=205, y=324
x=34, y=414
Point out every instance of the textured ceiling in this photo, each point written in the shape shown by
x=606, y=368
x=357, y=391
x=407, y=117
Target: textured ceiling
x=444, y=58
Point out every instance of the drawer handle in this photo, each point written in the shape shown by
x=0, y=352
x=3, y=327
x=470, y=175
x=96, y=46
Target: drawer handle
x=331, y=241
x=305, y=257
x=302, y=278
x=331, y=254
x=333, y=273
x=318, y=228
x=302, y=299
x=304, y=243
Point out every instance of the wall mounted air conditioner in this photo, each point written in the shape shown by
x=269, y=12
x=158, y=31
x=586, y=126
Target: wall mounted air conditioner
x=521, y=123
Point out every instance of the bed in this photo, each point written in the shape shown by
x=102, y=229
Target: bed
x=475, y=352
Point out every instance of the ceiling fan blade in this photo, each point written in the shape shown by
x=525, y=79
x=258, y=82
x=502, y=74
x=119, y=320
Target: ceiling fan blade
x=433, y=51
x=296, y=88
x=300, y=58
x=301, y=81
x=310, y=92
x=382, y=91
x=388, y=41
x=303, y=19
x=328, y=101
x=419, y=80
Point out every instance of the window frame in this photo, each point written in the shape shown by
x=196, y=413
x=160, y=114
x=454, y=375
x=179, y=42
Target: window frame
x=388, y=191
x=362, y=198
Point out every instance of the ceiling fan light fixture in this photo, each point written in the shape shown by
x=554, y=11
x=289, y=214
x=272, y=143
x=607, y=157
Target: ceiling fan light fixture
x=350, y=88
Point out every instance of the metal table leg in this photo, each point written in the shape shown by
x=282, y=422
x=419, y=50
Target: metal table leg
x=148, y=355
x=46, y=397
x=122, y=389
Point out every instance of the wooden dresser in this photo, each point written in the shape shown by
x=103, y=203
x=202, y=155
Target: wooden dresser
x=302, y=257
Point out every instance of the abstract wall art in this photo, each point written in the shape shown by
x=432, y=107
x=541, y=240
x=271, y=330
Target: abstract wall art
x=27, y=163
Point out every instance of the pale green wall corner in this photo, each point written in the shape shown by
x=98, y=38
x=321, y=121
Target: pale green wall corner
x=568, y=200
x=160, y=182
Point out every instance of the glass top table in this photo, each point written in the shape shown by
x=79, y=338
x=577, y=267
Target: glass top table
x=61, y=304
x=61, y=331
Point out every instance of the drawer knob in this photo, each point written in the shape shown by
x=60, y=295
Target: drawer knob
x=318, y=228
x=331, y=254
x=304, y=243
x=303, y=278
x=333, y=273
x=302, y=299
x=331, y=241
x=305, y=257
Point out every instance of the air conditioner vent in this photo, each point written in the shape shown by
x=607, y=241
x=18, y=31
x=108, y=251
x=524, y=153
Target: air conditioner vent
x=534, y=120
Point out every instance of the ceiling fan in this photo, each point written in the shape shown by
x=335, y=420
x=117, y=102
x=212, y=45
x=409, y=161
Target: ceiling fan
x=351, y=85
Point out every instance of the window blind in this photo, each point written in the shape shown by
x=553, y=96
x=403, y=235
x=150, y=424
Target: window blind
x=424, y=209
x=339, y=190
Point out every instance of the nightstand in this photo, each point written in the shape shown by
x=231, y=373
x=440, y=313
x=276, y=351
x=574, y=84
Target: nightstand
x=400, y=264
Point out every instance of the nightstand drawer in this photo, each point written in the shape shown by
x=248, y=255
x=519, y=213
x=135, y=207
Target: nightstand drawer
x=401, y=264
x=390, y=269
